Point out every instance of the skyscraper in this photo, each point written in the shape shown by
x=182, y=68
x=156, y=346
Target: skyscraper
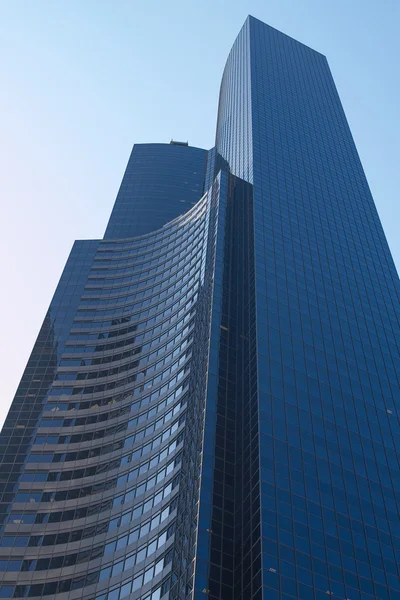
x=211, y=408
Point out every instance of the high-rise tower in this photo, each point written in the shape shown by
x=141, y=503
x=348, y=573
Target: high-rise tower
x=211, y=408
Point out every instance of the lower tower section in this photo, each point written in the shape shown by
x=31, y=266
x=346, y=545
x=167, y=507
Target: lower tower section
x=105, y=503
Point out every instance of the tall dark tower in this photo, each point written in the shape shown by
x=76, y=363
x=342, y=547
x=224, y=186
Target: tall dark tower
x=211, y=409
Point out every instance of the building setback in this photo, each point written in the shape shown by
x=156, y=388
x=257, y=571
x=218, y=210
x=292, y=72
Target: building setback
x=211, y=408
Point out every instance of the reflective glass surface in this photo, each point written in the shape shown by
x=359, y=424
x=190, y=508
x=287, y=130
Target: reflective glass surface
x=95, y=503
x=161, y=182
x=317, y=469
x=211, y=408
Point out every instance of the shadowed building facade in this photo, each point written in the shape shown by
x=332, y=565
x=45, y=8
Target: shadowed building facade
x=211, y=408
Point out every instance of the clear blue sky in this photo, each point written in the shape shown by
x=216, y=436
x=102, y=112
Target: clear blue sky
x=82, y=80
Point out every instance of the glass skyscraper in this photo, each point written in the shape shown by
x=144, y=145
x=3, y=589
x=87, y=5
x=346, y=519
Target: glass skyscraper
x=211, y=409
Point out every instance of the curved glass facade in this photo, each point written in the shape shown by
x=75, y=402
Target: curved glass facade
x=94, y=509
x=210, y=411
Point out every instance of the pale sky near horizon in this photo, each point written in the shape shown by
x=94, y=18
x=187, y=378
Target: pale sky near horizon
x=82, y=80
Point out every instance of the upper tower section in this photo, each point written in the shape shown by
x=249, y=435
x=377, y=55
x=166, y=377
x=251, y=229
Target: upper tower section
x=161, y=182
x=234, y=124
x=271, y=85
